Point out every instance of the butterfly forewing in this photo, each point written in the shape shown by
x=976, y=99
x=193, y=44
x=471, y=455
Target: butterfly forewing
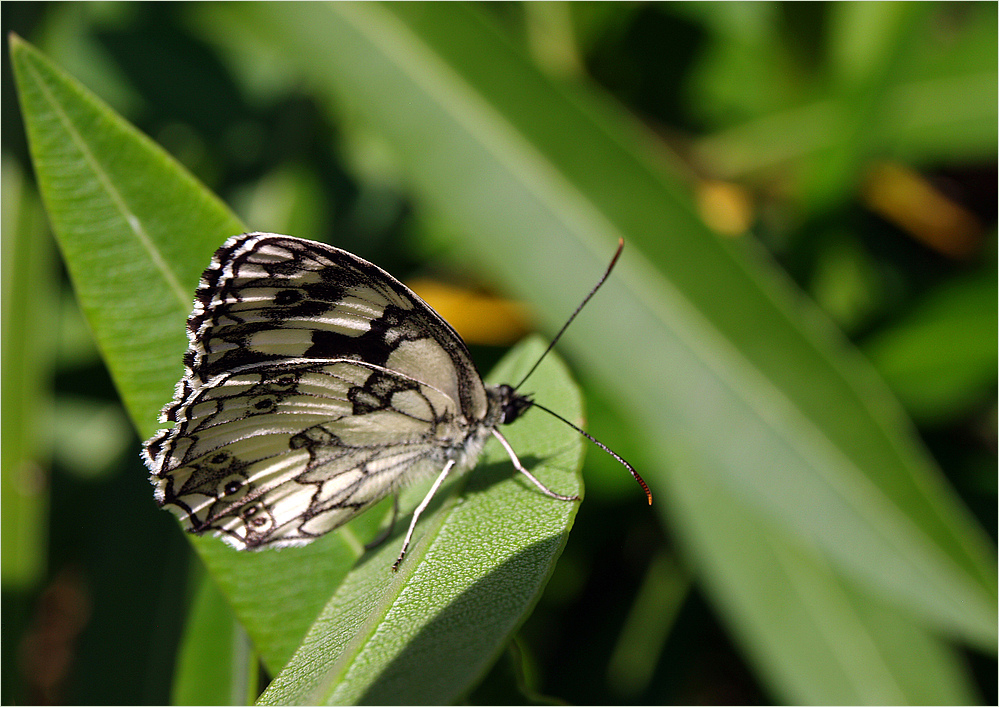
x=316, y=384
x=270, y=298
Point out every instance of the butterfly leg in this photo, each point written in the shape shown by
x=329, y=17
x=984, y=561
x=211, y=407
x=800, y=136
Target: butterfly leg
x=520, y=467
x=419, y=509
x=383, y=536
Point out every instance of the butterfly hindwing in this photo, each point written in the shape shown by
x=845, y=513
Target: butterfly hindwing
x=279, y=454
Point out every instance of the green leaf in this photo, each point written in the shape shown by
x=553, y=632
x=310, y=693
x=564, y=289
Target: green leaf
x=940, y=357
x=135, y=230
x=705, y=351
x=216, y=664
x=662, y=595
x=817, y=638
x=478, y=564
x=925, y=105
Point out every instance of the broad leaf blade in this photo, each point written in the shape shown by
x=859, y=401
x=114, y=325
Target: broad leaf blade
x=136, y=230
x=479, y=562
x=816, y=636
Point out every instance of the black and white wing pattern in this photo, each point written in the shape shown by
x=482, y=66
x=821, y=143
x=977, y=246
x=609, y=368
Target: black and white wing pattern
x=315, y=384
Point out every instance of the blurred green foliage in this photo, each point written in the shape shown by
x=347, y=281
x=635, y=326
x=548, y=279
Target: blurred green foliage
x=855, y=142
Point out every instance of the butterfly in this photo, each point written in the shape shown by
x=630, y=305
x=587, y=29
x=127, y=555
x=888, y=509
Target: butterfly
x=315, y=385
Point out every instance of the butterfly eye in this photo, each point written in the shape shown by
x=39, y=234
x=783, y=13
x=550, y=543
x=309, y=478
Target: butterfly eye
x=512, y=404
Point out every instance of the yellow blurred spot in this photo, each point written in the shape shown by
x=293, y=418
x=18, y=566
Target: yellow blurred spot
x=903, y=197
x=479, y=318
x=725, y=207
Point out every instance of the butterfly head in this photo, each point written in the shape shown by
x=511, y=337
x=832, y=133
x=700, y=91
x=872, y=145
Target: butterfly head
x=512, y=403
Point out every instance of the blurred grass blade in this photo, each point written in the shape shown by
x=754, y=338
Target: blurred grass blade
x=869, y=44
x=427, y=634
x=660, y=598
x=927, y=111
x=216, y=664
x=816, y=637
x=940, y=357
x=29, y=329
x=701, y=343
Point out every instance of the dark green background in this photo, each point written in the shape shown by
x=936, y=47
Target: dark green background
x=107, y=621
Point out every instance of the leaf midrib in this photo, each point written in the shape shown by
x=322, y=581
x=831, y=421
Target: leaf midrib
x=335, y=678
x=117, y=199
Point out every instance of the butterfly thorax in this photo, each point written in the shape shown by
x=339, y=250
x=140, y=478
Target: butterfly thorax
x=504, y=405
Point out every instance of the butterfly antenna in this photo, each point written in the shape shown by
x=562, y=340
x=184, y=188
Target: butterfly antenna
x=617, y=254
x=629, y=467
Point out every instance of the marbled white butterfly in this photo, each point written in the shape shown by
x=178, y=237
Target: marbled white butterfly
x=315, y=385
